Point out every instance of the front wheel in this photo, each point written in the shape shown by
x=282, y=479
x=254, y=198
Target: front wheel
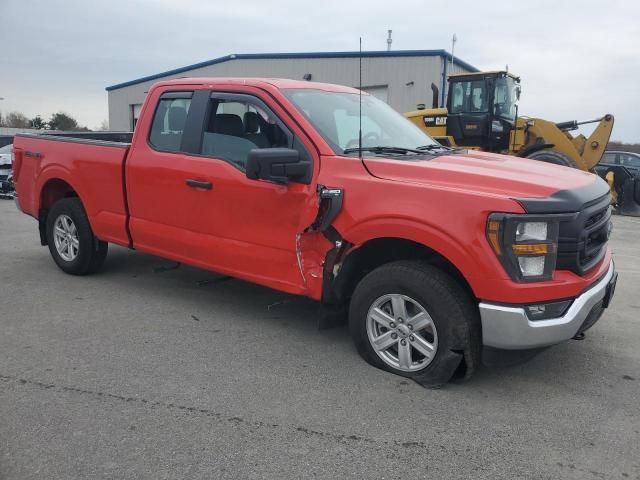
x=412, y=319
x=72, y=244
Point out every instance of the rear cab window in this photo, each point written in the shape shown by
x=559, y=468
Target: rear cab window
x=169, y=121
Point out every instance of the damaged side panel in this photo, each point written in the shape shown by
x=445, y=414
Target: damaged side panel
x=320, y=248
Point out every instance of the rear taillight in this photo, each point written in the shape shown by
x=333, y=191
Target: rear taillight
x=16, y=160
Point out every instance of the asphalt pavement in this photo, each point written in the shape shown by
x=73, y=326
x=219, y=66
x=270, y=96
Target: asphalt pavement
x=145, y=370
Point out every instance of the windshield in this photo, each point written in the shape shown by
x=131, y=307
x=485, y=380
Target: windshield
x=506, y=98
x=336, y=116
x=6, y=148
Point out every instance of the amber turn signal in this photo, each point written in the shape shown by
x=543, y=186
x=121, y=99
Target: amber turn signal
x=534, y=248
x=493, y=230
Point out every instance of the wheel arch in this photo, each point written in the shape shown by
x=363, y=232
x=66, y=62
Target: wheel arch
x=536, y=147
x=52, y=188
x=358, y=261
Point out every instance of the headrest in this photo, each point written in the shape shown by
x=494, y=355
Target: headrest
x=251, y=122
x=177, y=118
x=228, y=124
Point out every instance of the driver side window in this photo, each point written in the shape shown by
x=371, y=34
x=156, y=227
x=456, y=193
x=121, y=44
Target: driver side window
x=235, y=126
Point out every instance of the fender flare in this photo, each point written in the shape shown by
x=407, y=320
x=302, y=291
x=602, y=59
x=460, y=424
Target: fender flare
x=418, y=232
x=525, y=152
x=53, y=172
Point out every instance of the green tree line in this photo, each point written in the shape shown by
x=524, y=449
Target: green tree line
x=57, y=121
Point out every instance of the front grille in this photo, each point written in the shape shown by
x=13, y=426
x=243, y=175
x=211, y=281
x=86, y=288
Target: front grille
x=582, y=241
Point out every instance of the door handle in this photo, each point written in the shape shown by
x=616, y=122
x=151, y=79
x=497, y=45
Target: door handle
x=199, y=184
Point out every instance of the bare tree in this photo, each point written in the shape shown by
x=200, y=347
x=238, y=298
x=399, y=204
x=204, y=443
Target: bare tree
x=104, y=126
x=625, y=147
x=16, y=120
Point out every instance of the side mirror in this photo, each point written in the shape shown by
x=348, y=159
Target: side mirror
x=279, y=165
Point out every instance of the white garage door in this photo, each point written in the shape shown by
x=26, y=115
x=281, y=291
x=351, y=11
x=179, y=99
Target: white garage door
x=381, y=92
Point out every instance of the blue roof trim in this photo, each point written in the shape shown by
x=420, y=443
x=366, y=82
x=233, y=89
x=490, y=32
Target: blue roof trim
x=268, y=56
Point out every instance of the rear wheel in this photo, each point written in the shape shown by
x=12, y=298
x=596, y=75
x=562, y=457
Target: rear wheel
x=72, y=244
x=414, y=320
x=551, y=156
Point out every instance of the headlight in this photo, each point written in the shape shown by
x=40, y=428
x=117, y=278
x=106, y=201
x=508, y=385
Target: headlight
x=531, y=231
x=526, y=245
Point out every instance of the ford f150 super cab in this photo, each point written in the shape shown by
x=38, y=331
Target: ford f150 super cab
x=318, y=190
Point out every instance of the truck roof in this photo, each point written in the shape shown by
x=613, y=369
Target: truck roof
x=279, y=83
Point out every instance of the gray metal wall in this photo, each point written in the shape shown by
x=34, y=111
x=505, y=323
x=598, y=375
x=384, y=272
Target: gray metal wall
x=395, y=72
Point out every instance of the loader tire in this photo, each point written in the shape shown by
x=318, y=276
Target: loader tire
x=551, y=156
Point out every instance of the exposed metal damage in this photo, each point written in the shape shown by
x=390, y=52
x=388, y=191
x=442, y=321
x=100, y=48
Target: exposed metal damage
x=320, y=248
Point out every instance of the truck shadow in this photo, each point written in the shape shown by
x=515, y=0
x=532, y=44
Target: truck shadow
x=161, y=277
x=209, y=297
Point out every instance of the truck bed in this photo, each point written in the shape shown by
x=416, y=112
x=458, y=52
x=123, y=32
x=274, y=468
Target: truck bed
x=89, y=163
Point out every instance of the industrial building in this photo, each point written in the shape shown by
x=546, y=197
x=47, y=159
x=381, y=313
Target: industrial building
x=401, y=78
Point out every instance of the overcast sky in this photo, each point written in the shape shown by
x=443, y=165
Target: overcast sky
x=577, y=59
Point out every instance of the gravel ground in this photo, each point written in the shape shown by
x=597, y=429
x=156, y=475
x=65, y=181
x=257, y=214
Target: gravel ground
x=141, y=372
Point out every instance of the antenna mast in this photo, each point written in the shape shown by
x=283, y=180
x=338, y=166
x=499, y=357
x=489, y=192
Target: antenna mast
x=454, y=39
x=360, y=100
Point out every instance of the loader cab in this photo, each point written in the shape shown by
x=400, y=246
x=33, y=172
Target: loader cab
x=482, y=109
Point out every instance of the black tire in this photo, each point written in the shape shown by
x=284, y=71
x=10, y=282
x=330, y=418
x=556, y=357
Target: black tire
x=91, y=252
x=551, y=156
x=451, y=308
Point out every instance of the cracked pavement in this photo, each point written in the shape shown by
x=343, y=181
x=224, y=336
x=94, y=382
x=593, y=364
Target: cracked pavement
x=149, y=371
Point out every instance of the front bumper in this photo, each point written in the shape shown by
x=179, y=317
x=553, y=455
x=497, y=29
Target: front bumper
x=508, y=327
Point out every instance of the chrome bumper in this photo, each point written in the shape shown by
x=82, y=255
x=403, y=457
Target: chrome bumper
x=509, y=328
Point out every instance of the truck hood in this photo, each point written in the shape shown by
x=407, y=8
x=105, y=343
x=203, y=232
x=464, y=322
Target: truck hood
x=490, y=173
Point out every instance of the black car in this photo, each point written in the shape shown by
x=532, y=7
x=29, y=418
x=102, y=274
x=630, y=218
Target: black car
x=610, y=159
x=6, y=183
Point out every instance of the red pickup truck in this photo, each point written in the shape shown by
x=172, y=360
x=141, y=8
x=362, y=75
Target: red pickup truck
x=316, y=190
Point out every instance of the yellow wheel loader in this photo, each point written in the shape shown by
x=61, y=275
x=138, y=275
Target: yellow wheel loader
x=481, y=113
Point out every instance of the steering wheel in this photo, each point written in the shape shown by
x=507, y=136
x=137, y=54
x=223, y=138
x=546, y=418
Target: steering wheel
x=501, y=108
x=373, y=137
